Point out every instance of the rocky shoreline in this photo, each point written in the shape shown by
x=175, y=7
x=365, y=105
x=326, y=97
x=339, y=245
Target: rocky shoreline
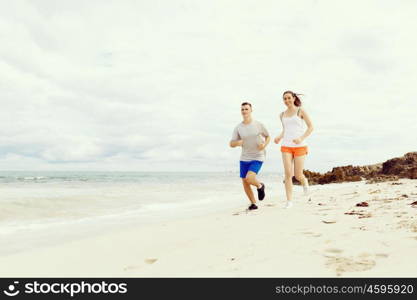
x=391, y=170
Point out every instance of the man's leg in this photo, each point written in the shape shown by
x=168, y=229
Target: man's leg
x=254, y=168
x=244, y=167
x=251, y=179
x=248, y=191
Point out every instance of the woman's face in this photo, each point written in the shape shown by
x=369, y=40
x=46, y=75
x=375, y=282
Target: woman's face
x=288, y=99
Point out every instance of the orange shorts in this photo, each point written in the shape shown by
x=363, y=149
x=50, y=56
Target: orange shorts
x=296, y=151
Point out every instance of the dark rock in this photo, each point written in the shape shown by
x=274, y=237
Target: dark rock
x=360, y=214
x=404, y=167
x=391, y=170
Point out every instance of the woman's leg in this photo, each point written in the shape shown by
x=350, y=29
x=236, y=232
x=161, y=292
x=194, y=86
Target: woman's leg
x=287, y=161
x=298, y=172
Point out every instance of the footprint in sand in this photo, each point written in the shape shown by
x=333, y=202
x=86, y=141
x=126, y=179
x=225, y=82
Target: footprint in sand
x=334, y=250
x=246, y=212
x=360, y=228
x=240, y=212
x=130, y=268
x=408, y=224
x=354, y=193
x=342, y=264
x=313, y=234
x=150, y=260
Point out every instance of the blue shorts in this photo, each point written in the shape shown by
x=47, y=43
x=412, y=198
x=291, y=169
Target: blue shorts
x=246, y=166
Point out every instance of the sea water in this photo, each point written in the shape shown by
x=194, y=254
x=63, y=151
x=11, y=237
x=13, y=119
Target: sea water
x=42, y=208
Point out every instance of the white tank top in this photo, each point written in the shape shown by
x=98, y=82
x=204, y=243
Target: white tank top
x=293, y=128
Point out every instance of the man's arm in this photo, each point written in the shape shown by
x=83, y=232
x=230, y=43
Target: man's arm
x=236, y=139
x=264, y=144
x=267, y=137
x=267, y=140
x=236, y=143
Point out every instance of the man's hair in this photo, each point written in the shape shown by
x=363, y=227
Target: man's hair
x=246, y=103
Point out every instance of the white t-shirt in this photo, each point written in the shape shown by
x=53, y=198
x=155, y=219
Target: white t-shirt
x=293, y=129
x=252, y=135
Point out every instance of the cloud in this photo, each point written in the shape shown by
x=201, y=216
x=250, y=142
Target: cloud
x=141, y=85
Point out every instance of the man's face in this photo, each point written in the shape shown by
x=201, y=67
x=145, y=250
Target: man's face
x=245, y=110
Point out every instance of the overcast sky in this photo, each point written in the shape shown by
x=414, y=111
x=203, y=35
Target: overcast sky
x=157, y=85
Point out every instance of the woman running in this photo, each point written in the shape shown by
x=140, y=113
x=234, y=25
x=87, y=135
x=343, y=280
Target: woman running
x=293, y=147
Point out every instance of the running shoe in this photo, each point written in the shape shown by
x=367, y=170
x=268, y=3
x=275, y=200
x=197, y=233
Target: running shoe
x=289, y=204
x=261, y=192
x=252, y=206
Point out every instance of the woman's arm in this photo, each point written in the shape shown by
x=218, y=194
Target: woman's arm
x=310, y=127
x=279, y=137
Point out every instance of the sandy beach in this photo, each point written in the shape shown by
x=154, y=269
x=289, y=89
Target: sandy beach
x=315, y=238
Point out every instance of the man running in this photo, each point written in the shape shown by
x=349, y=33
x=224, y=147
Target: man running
x=253, y=137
